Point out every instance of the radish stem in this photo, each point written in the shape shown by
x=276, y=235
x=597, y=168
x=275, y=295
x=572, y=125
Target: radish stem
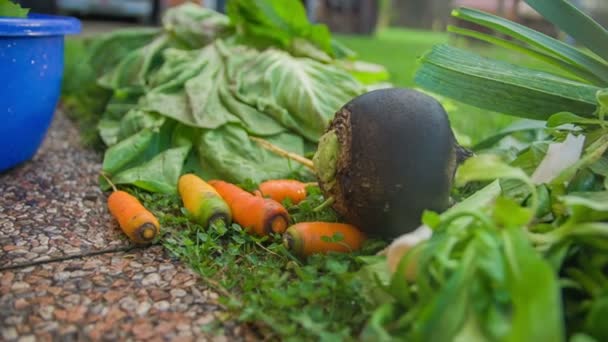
x=283, y=153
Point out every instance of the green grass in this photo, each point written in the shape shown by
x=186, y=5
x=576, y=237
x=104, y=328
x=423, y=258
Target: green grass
x=399, y=50
x=323, y=297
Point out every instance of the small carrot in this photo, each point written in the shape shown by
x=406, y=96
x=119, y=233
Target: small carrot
x=254, y=213
x=280, y=189
x=306, y=238
x=140, y=225
x=203, y=202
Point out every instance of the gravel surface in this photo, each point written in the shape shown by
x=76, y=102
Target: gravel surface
x=139, y=294
x=67, y=273
x=52, y=206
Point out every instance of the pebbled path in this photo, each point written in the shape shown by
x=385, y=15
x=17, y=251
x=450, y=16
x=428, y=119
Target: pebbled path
x=67, y=273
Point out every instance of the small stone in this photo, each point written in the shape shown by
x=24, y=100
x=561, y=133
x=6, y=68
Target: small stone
x=143, y=331
x=210, y=294
x=184, y=336
x=114, y=315
x=9, y=248
x=47, y=326
x=31, y=256
x=135, y=264
x=85, y=284
x=46, y=300
x=9, y=333
x=120, y=283
x=149, y=269
x=27, y=338
x=76, y=314
x=112, y=296
x=151, y=279
x=60, y=315
x=46, y=312
x=61, y=276
x=143, y=308
x=205, y=319
x=54, y=290
x=165, y=267
x=157, y=295
x=128, y=304
x=162, y=305
x=40, y=249
x=72, y=299
x=27, y=270
x=7, y=278
x=178, y=293
x=19, y=285
x=21, y=304
x=183, y=326
x=91, y=264
x=164, y=328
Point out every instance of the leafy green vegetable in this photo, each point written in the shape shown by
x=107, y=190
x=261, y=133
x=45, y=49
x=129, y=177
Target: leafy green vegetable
x=534, y=288
x=542, y=42
x=280, y=23
x=193, y=27
x=157, y=175
x=11, y=9
x=236, y=158
x=574, y=22
x=515, y=90
x=118, y=155
x=199, y=74
x=300, y=93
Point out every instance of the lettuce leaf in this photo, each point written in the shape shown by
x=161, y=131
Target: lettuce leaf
x=276, y=23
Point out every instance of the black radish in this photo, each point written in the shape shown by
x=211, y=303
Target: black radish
x=387, y=156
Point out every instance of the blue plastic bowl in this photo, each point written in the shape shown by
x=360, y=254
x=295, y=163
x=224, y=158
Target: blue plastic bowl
x=31, y=71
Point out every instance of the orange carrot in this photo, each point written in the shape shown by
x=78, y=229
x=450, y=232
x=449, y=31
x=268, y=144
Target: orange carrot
x=254, y=213
x=140, y=225
x=306, y=238
x=280, y=189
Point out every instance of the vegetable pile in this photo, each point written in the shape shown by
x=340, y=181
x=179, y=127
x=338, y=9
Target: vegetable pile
x=189, y=97
x=524, y=256
x=521, y=256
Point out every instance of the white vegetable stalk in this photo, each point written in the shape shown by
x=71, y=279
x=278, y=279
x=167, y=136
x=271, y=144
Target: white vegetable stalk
x=559, y=157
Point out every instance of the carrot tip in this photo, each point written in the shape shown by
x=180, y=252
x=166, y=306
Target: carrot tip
x=147, y=232
x=278, y=224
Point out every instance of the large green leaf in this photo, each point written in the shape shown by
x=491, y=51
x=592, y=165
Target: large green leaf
x=265, y=23
x=568, y=69
x=301, y=93
x=107, y=50
x=502, y=87
x=113, y=131
x=193, y=26
x=128, y=149
x=574, y=22
x=536, y=39
x=229, y=153
x=134, y=69
x=199, y=93
x=160, y=174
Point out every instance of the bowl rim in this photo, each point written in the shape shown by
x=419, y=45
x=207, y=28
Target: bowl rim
x=39, y=25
